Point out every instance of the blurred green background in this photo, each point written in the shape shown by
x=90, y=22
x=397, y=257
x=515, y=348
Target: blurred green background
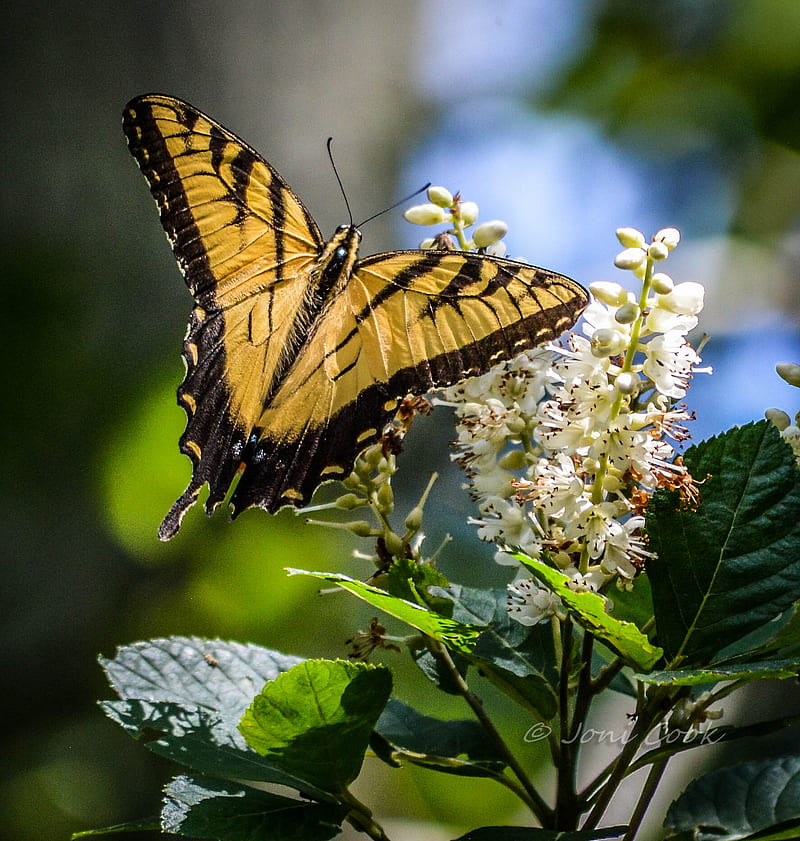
x=569, y=119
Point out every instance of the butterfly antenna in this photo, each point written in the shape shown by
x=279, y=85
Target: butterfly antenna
x=396, y=204
x=341, y=186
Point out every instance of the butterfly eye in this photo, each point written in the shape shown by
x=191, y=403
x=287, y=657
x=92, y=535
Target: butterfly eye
x=342, y=228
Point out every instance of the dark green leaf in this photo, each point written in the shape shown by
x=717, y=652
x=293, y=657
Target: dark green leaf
x=765, y=670
x=201, y=739
x=516, y=658
x=433, y=669
x=710, y=736
x=524, y=833
x=202, y=807
x=733, y=564
x=222, y=676
x=734, y=802
x=314, y=722
x=453, y=634
x=456, y=747
x=634, y=605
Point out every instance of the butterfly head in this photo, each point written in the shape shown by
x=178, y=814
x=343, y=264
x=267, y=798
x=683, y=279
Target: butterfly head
x=341, y=252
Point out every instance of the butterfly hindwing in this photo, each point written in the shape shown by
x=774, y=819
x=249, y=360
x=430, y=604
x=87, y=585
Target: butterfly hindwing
x=296, y=353
x=245, y=244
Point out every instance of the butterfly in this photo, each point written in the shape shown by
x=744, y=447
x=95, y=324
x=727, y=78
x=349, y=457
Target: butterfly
x=298, y=352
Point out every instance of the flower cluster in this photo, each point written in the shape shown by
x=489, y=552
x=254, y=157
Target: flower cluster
x=443, y=207
x=790, y=432
x=564, y=445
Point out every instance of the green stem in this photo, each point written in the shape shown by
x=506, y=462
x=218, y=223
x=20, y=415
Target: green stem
x=532, y=798
x=648, y=790
x=360, y=816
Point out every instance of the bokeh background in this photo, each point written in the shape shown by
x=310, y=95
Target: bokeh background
x=567, y=118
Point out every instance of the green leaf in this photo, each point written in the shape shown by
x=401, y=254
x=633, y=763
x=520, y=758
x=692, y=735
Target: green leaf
x=519, y=660
x=201, y=807
x=222, y=676
x=764, y=670
x=734, y=802
x=315, y=721
x=709, y=736
x=524, y=833
x=634, y=605
x=142, y=825
x=589, y=610
x=201, y=739
x=733, y=564
x=412, y=581
x=452, y=634
x=455, y=747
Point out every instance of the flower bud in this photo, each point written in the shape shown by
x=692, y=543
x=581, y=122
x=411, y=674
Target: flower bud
x=360, y=527
x=606, y=341
x=630, y=258
x=425, y=214
x=790, y=372
x=661, y=283
x=440, y=196
x=778, y=418
x=512, y=460
x=626, y=383
x=393, y=544
x=386, y=498
x=414, y=519
x=684, y=299
x=657, y=251
x=627, y=313
x=670, y=237
x=630, y=238
x=497, y=249
x=489, y=233
x=350, y=501
x=427, y=243
x=468, y=211
x=609, y=293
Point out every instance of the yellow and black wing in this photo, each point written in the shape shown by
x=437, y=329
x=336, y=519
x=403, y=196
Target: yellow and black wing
x=246, y=245
x=296, y=354
x=406, y=322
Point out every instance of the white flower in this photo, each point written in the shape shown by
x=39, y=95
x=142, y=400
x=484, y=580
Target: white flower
x=625, y=553
x=530, y=603
x=685, y=299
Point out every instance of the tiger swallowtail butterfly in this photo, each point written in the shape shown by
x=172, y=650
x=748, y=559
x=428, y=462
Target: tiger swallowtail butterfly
x=297, y=351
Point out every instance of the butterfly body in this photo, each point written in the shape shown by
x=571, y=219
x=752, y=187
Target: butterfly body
x=297, y=351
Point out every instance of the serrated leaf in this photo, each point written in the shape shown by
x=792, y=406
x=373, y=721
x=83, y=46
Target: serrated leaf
x=453, y=634
x=735, y=802
x=202, y=807
x=710, y=736
x=764, y=670
x=314, y=722
x=455, y=747
x=204, y=740
x=519, y=660
x=524, y=833
x=733, y=564
x=212, y=673
x=589, y=610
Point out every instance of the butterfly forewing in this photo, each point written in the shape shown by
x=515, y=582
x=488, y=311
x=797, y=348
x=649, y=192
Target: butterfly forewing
x=293, y=366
